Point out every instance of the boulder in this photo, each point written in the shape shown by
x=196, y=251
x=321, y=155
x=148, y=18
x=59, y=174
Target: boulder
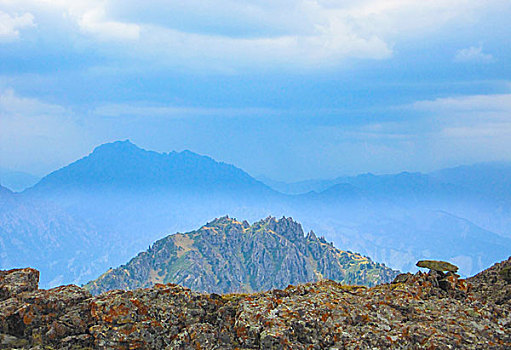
x=402, y=278
x=16, y=281
x=436, y=265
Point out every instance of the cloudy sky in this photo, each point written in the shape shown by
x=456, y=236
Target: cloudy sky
x=289, y=89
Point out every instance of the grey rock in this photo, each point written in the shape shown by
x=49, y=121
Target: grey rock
x=437, y=265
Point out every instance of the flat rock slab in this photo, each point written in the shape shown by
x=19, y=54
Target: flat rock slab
x=437, y=265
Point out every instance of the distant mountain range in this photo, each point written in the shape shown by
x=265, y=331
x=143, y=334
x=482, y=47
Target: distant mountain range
x=491, y=178
x=408, y=216
x=39, y=233
x=133, y=197
x=17, y=180
x=101, y=210
x=123, y=166
x=227, y=255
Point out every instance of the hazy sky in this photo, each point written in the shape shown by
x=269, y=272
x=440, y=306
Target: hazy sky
x=286, y=88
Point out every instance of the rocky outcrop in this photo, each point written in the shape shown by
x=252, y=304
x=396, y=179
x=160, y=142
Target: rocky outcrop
x=439, y=266
x=492, y=284
x=14, y=282
x=415, y=313
x=227, y=255
x=505, y=273
x=30, y=316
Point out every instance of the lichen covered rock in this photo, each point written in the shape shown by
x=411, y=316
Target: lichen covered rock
x=16, y=281
x=439, y=266
x=422, y=311
x=505, y=273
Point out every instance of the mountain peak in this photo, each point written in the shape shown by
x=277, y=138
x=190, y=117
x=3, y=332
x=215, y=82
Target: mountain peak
x=117, y=146
x=226, y=255
x=284, y=226
x=221, y=221
x=124, y=165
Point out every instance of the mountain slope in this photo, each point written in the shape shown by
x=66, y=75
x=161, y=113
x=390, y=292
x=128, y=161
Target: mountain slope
x=226, y=255
x=40, y=234
x=123, y=190
x=17, y=180
x=120, y=191
x=122, y=165
x=492, y=178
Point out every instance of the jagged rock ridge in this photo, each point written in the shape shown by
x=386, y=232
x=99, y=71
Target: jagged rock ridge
x=417, y=313
x=227, y=255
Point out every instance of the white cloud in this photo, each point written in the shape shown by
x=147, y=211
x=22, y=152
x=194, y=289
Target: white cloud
x=94, y=21
x=473, y=54
x=10, y=25
x=435, y=133
x=462, y=124
x=12, y=104
x=172, y=47
x=90, y=17
x=473, y=104
x=232, y=34
x=296, y=33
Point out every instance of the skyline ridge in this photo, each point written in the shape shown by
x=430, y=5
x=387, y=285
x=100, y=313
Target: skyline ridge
x=127, y=144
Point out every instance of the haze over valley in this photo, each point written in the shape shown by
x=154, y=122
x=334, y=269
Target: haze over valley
x=103, y=209
x=298, y=174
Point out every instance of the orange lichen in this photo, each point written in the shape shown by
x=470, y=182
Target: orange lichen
x=28, y=318
x=141, y=308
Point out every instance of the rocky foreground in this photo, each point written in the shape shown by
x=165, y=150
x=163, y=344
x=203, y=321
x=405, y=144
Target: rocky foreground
x=426, y=310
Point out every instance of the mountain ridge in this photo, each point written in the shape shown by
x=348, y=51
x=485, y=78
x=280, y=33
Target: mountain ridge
x=227, y=255
x=123, y=164
x=44, y=235
x=453, y=175
x=128, y=207
x=17, y=181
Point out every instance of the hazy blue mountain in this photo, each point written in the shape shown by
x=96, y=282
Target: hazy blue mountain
x=17, y=180
x=400, y=237
x=38, y=234
x=490, y=184
x=299, y=187
x=480, y=193
x=122, y=186
x=5, y=193
x=124, y=166
x=401, y=218
x=133, y=196
x=492, y=178
x=127, y=198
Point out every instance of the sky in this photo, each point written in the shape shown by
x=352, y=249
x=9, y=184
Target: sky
x=288, y=89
